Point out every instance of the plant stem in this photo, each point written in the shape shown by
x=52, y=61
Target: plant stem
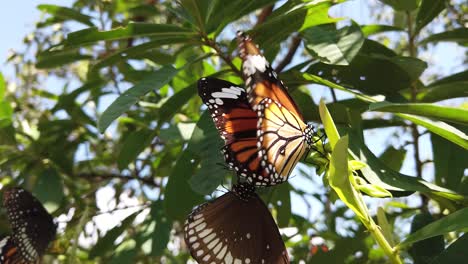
x=374, y=229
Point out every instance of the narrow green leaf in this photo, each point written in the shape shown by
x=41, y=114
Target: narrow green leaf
x=452, y=222
x=176, y=101
x=369, y=30
x=281, y=200
x=393, y=157
x=443, y=91
x=106, y=243
x=378, y=173
x=135, y=51
x=2, y=87
x=49, y=189
x=198, y=10
x=440, y=128
x=221, y=12
x=133, y=145
x=65, y=13
x=125, y=252
x=162, y=231
x=332, y=46
x=47, y=60
x=328, y=124
x=289, y=18
x=450, y=114
x=450, y=162
x=338, y=177
x=385, y=226
x=455, y=253
x=459, y=35
x=153, y=81
x=428, y=10
x=459, y=76
x=205, y=144
x=425, y=250
x=163, y=31
x=402, y=5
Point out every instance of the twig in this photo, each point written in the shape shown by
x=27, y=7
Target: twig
x=264, y=14
x=295, y=42
x=224, y=57
x=93, y=175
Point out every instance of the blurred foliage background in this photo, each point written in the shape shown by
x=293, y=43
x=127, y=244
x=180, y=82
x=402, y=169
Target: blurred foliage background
x=102, y=122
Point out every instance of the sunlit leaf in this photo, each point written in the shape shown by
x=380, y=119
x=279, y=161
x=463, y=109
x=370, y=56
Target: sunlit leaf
x=443, y=91
x=369, y=30
x=455, y=253
x=332, y=46
x=451, y=114
x=54, y=59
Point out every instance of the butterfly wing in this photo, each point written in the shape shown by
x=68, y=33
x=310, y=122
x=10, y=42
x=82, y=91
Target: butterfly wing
x=282, y=138
x=9, y=252
x=237, y=125
x=234, y=230
x=33, y=227
x=261, y=80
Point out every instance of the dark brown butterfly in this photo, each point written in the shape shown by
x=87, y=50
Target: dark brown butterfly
x=234, y=228
x=32, y=227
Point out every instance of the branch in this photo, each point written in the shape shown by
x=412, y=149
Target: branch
x=225, y=58
x=264, y=14
x=110, y=176
x=296, y=41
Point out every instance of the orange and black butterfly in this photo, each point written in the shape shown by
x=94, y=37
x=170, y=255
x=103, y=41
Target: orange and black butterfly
x=33, y=228
x=237, y=125
x=283, y=136
x=234, y=228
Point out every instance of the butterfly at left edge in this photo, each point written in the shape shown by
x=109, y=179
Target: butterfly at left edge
x=33, y=228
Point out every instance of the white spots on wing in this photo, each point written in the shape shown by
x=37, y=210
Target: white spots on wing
x=237, y=261
x=232, y=92
x=247, y=261
x=213, y=243
x=199, y=252
x=205, y=232
x=206, y=258
x=254, y=63
x=222, y=252
x=248, y=236
x=219, y=101
x=196, y=245
x=228, y=259
x=209, y=237
x=192, y=239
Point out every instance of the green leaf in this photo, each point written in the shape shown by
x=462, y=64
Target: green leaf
x=453, y=222
x=459, y=35
x=154, y=81
x=450, y=114
x=440, y=128
x=425, y=250
x=281, y=200
x=459, y=76
x=387, y=229
x=49, y=189
x=162, y=31
x=136, y=51
x=65, y=13
x=162, y=231
x=402, y=5
x=455, y=253
x=289, y=18
x=47, y=60
x=6, y=113
x=176, y=101
x=443, y=91
x=333, y=46
x=378, y=173
x=449, y=162
x=2, y=87
x=393, y=157
x=205, y=145
x=328, y=124
x=369, y=30
x=221, y=12
x=133, y=145
x=338, y=177
x=198, y=10
x=125, y=252
x=373, y=73
x=428, y=10
x=106, y=243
